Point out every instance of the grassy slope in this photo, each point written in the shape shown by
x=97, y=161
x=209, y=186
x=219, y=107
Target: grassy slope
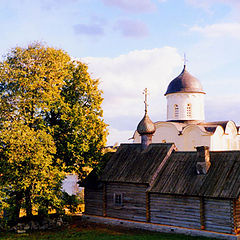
x=78, y=230
x=96, y=235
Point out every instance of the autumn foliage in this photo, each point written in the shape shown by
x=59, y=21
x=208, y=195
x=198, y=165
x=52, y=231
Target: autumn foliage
x=50, y=122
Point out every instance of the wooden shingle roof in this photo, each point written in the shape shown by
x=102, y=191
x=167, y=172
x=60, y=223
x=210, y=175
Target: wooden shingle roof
x=178, y=176
x=131, y=164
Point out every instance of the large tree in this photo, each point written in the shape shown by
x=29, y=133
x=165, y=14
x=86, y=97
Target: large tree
x=47, y=92
x=79, y=130
x=43, y=87
x=31, y=82
x=28, y=175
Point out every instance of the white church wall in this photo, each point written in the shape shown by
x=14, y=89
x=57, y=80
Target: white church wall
x=231, y=128
x=228, y=140
x=231, y=137
x=181, y=101
x=217, y=140
x=166, y=132
x=193, y=136
x=188, y=140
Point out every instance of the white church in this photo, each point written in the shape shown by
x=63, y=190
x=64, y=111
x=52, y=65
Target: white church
x=185, y=125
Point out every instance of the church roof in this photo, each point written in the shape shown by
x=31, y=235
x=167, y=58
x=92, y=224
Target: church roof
x=179, y=176
x=209, y=127
x=146, y=126
x=131, y=164
x=185, y=82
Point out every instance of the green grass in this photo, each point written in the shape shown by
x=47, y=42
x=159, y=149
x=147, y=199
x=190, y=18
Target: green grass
x=96, y=234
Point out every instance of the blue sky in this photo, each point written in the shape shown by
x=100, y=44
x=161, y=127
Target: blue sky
x=133, y=44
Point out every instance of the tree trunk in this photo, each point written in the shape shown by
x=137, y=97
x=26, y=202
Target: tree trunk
x=17, y=207
x=12, y=213
x=28, y=203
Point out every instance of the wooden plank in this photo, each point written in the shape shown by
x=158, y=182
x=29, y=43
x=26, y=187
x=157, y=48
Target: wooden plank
x=176, y=211
x=134, y=201
x=130, y=164
x=104, y=199
x=218, y=215
x=202, y=213
x=231, y=181
x=147, y=207
x=93, y=201
x=237, y=216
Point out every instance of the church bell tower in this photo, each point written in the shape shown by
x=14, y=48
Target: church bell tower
x=185, y=99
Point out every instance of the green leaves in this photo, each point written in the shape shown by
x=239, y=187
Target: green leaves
x=79, y=130
x=26, y=157
x=50, y=122
x=32, y=79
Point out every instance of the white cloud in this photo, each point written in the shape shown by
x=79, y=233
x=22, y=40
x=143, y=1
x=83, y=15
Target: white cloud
x=219, y=30
x=132, y=6
x=208, y=4
x=123, y=79
x=119, y=136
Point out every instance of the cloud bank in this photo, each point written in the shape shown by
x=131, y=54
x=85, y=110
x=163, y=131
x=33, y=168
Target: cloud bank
x=208, y=4
x=123, y=79
x=219, y=30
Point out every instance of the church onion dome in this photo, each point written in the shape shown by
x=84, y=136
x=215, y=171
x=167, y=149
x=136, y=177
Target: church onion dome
x=185, y=83
x=146, y=126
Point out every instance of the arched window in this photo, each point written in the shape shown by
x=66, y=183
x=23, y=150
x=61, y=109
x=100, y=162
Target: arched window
x=189, y=110
x=176, y=111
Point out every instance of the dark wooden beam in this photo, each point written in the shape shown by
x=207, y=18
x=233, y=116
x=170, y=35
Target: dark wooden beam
x=202, y=213
x=233, y=212
x=147, y=206
x=104, y=199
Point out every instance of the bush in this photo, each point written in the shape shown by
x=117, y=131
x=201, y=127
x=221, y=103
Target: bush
x=71, y=202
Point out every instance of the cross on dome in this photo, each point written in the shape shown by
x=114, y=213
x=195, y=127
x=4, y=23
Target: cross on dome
x=145, y=92
x=146, y=126
x=185, y=59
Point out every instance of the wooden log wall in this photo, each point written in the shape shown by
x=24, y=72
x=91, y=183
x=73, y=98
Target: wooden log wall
x=134, y=201
x=237, y=215
x=218, y=215
x=175, y=210
x=93, y=199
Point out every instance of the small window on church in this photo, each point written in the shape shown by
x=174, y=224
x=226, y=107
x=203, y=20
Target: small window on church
x=189, y=110
x=176, y=111
x=118, y=199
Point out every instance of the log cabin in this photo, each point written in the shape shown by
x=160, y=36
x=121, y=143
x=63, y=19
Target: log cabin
x=157, y=186
x=196, y=190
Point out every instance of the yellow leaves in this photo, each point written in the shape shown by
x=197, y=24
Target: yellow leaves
x=46, y=95
x=26, y=147
x=35, y=76
x=26, y=161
